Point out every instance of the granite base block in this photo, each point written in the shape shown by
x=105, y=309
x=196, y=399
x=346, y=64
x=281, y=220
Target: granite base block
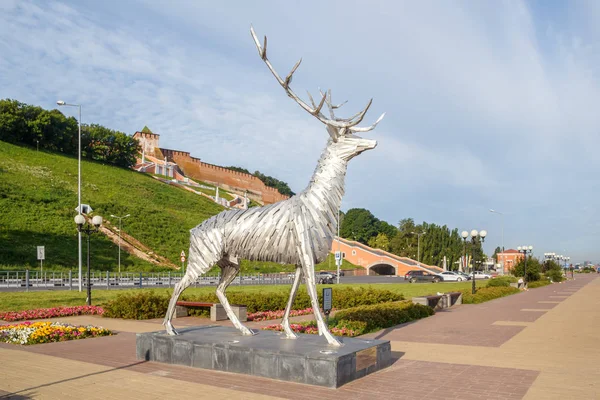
x=307, y=359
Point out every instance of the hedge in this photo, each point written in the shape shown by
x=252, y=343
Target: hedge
x=149, y=304
x=272, y=301
x=537, y=284
x=487, y=294
x=501, y=281
x=380, y=316
x=143, y=305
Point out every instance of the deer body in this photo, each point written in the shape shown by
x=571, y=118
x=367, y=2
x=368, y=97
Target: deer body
x=296, y=231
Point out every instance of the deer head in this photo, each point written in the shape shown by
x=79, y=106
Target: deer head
x=341, y=130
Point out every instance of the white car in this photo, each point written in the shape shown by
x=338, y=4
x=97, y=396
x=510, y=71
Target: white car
x=449, y=276
x=482, y=275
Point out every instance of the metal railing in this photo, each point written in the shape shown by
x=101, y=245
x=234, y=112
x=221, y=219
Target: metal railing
x=25, y=280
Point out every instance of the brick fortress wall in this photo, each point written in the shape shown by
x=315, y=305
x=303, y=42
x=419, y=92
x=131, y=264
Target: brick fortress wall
x=225, y=178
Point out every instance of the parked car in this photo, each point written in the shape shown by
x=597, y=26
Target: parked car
x=326, y=277
x=450, y=276
x=481, y=275
x=465, y=276
x=422, y=276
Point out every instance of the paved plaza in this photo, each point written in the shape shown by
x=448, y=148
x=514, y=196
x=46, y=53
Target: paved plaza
x=540, y=344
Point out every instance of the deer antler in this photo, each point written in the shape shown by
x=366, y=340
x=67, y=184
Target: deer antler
x=343, y=125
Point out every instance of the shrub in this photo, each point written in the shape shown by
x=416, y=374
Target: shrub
x=147, y=305
x=501, y=281
x=356, y=328
x=342, y=298
x=379, y=316
x=487, y=294
x=143, y=305
x=555, y=275
x=533, y=269
x=537, y=284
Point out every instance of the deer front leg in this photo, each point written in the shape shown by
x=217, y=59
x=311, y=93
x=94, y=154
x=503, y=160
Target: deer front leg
x=285, y=322
x=308, y=267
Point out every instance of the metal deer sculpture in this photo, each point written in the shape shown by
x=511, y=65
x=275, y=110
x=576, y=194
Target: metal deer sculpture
x=296, y=231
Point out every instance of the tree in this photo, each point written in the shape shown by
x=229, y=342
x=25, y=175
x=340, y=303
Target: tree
x=239, y=169
x=380, y=241
x=404, y=243
x=358, y=224
x=388, y=230
x=281, y=186
x=533, y=269
x=495, y=256
x=50, y=129
x=437, y=242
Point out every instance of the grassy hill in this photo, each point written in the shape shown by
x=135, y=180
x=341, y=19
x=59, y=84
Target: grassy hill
x=38, y=196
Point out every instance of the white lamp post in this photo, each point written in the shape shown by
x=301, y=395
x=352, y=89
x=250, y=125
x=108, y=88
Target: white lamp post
x=525, y=250
x=62, y=103
x=89, y=229
x=418, y=246
x=502, y=215
x=474, y=234
x=120, y=218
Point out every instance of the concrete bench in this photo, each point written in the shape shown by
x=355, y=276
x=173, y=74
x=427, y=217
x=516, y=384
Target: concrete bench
x=217, y=311
x=440, y=301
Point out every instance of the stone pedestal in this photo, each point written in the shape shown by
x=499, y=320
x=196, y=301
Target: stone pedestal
x=308, y=359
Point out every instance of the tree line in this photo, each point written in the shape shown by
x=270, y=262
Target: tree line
x=361, y=225
x=30, y=125
x=282, y=187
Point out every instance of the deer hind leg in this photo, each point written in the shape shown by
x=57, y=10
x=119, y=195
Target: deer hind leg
x=229, y=269
x=285, y=322
x=203, y=254
x=179, y=287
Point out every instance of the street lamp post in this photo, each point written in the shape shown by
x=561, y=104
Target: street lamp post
x=338, y=263
x=474, y=235
x=120, y=218
x=525, y=250
x=418, y=245
x=88, y=229
x=62, y=103
x=502, y=215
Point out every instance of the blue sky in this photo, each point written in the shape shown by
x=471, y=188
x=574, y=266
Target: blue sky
x=489, y=104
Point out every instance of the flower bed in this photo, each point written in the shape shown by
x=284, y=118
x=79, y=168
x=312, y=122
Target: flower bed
x=311, y=328
x=269, y=315
x=50, y=313
x=357, y=321
x=46, y=332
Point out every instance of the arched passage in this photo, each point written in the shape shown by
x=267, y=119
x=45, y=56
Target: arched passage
x=382, y=269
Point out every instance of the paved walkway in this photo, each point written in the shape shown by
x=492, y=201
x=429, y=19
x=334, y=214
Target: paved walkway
x=541, y=344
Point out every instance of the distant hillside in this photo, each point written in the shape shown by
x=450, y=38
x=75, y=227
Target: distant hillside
x=38, y=196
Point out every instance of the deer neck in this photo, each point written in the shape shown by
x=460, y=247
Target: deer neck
x=326, y=187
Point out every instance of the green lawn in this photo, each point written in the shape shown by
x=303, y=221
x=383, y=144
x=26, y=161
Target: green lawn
x=38, y=195
x=17, y=301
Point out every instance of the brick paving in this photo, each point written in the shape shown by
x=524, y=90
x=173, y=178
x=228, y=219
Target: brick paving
x=434, y=376
x=473, y=325
x=405, y=379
